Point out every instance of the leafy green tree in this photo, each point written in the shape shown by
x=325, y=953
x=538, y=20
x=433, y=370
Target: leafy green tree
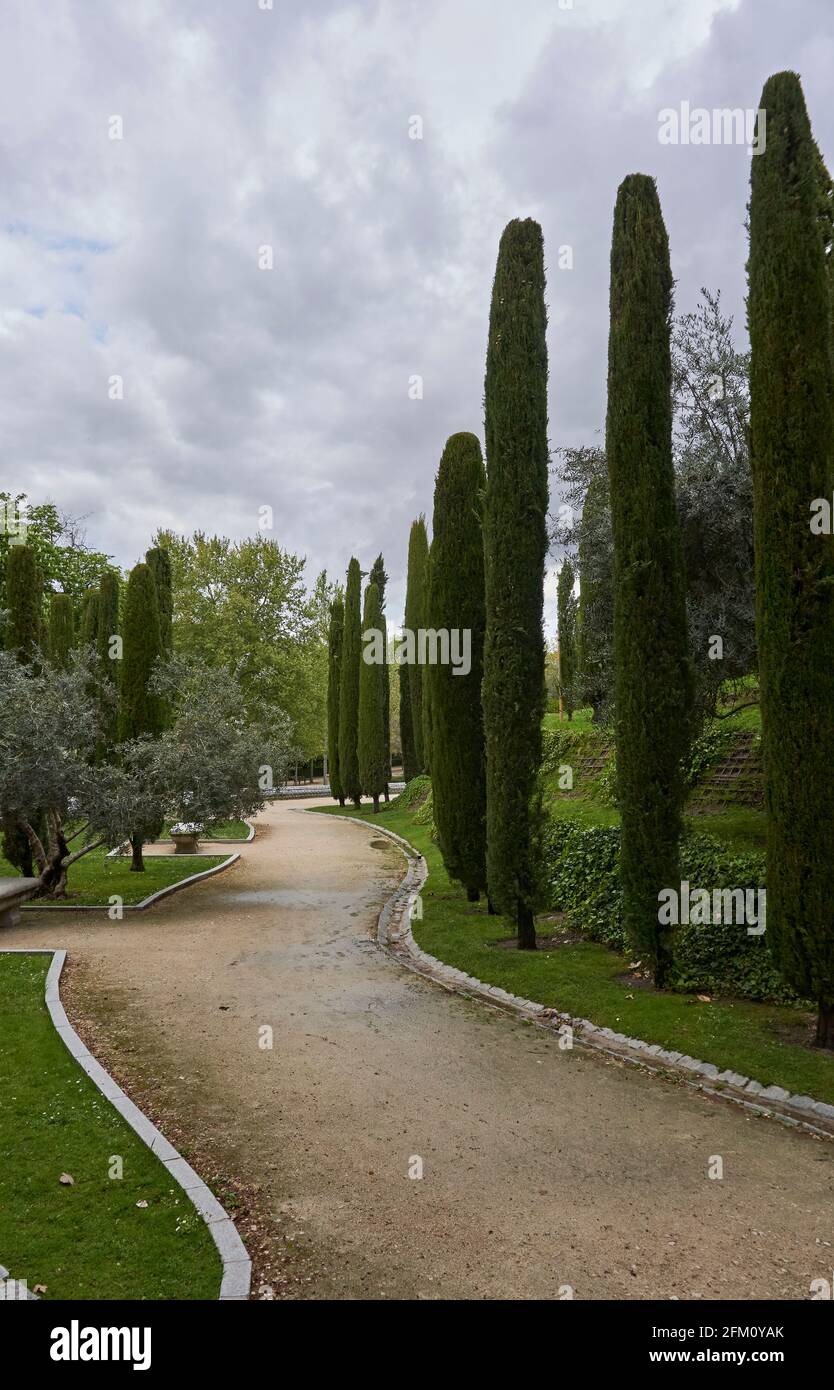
x=61, y=625
x=337, y=620
x=349, y=688
x=140, y=707
x=456, y=601
x=566, y=609
x=243, y=605
x=650, y=634
x=515, y=546
x=791, y=394
x=415, y=619
x=373, y=678
x=24, y=586
x=65, y=560
x=380, y=578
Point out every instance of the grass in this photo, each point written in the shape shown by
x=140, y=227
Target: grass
x=90, y=1239
x=95, y=878
x=585, y=979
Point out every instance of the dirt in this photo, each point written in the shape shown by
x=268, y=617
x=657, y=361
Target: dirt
x=541, y=1168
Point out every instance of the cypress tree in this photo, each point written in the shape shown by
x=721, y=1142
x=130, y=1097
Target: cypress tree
x=61, y=633
x=349, y=688
x=456, y=600
x=159, y=562
x=595, y=622
x=652, y=671
x=415, y=619
x=410, y=768
x=140, y=710
x=791, y=389
x=24, y=598
x=334, y=662
x=88, y=626
x=426, y=670
x=566, y=611
x=107, y=628
x=515, y=546
x=380, y=578
x=372, y=767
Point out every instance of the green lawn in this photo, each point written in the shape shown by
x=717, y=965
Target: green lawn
x=582, y=978
x=89, y=1239
x=95, y=878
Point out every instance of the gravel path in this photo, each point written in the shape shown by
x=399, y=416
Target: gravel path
x=541, y=1169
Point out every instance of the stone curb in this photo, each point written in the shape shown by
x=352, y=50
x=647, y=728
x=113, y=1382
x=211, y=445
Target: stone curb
x=394, y=935
x=134, y=907
x=237, y=1266
x=4, y=1276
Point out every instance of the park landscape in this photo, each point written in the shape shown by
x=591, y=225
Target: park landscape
x=591, y=1053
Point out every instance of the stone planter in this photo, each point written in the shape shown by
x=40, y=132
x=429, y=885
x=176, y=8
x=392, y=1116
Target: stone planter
x=185, y=843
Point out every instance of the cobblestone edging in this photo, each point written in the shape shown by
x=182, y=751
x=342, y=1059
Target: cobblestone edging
x=237, y=1266
x=134, y=907
x=395, y=936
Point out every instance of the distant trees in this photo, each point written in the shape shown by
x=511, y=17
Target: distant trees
x=349, y=687
x=158, y=560
x=652, y=715
x=334, y=666
x=791, y=429
x=415, y=613
x=515, y=545
x=411, y=767
x=595, y=619
x=456, y=601
x=566, y=608
x=373, y=677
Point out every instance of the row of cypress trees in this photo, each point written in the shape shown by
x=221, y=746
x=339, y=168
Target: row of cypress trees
x=358, y=697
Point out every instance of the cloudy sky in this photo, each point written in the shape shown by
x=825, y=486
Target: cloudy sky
x=289, y=126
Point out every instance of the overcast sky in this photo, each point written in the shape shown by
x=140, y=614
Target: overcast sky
x=290, y=127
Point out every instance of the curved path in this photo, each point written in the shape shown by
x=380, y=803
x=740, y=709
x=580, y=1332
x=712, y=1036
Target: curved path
x=541, y=1168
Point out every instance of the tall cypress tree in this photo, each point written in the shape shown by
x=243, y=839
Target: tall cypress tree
x=24, y=598
x=409, y=755
x=515, y=546
x=108, y=628
x=88, y=626
x=456, y=600
x=334, y=665
x=61, y=632
x=426, y=681
x=566, y=612
x=791, y=391
x=652, y=670
x=372, y=674
x=140, y=710
x=159, y=562
x=380, y=578
x=415, y=619
x=349, y=687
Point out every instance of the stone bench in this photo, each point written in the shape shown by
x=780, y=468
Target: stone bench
x=13, y=892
